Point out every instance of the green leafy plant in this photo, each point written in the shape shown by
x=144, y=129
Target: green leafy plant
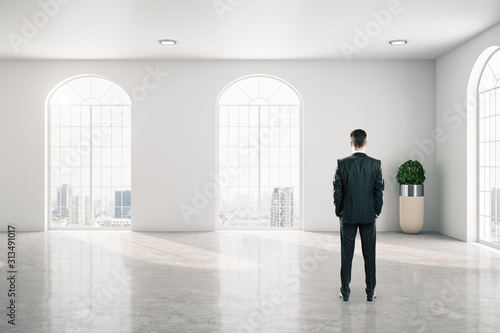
x=410, y=173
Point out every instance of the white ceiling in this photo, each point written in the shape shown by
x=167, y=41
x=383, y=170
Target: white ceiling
x=248, y=29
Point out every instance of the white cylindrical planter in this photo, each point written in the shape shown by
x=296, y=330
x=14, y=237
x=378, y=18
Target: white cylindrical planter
x=411, y=208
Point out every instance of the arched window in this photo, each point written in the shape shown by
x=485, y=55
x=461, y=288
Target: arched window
x=89, y=154
x=489, y=151
x=259, y=154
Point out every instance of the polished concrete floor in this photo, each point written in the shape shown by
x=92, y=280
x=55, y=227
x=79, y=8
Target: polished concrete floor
x=253, y=281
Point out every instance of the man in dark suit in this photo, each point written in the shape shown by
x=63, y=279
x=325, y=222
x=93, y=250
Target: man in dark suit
x=357, y=192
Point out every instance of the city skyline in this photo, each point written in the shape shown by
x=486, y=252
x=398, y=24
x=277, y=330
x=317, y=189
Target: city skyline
x=76, y=209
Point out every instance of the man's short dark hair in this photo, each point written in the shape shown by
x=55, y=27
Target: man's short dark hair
x=358, y=138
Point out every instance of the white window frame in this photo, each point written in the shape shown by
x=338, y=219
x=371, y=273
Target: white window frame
x=125, y=102
x=480, y=192
x=301, y=169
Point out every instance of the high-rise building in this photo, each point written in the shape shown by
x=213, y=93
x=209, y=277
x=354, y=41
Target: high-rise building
x=64, y=194
x=495, y=204
x=123, y=203
x=74, y=210
x=80, y=210
x=281, y=214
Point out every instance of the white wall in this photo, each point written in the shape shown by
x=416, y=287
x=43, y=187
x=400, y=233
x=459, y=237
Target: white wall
x=457, y=184
x=173, y=132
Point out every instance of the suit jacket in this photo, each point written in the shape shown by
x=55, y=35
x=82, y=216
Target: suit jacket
x=358, y=189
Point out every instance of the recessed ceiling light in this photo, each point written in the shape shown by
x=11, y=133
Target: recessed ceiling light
x=167, y=42
x=398, y=42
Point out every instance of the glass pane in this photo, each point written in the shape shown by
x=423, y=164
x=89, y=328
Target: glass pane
x=294, y=137
x=243, y=136
x=223, y=176
x=223, y=156
x=85, y=137
x=294, y=116
x=75, y=156
x=264, y=177
x=233, y=156
x=126, y=116
x=85, y=177
x=106, y=120
x=106, y=156
x=116, y=156
x=126, y=136
x=285, y=116
x=96, y=176
x=75, y=116
x=106, y=136
x=274, y=156
x=75, y=136
x=223, y=136
x=116, y=136
x=116, y=176
x=243, y=116
x=55, y=116
x=85, y=156
x=274, y=116
x=126, y=157
x=233, y=136
x=294, y=156
x=233, y=116
x=97, y=156
x=126, y=177
x=253, y=156
x=106, y=176
x=294, y=177
x=265, y=136
x=254, y=115
x=253, y=174
x=274, y=139
x=55, y=176
x=223, y=116
x=284, y=136
x=55, y=156
x=75, y=176
x=55, y=136
x=243, y=176
x=85, y=113
x=284, y=156
x=264, y=157
x=284, y=177
x=116, y=116
x=264, y=116
x=244, y=156
x=65, y=175
x=274, y=177
x=65, y=136
x=96, y=116
x=65, y=116
x=233, y=180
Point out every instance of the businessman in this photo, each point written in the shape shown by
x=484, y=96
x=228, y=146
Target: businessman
x=357, y=194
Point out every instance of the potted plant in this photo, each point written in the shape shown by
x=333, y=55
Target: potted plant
x=411, y=177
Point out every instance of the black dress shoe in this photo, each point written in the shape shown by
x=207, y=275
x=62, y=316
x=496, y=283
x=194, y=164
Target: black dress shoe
x=370, y=297
x=343, y=297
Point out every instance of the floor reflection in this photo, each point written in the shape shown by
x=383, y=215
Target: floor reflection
x=259, y=281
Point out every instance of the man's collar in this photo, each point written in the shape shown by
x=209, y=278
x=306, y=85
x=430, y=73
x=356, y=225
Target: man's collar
x=358, y=151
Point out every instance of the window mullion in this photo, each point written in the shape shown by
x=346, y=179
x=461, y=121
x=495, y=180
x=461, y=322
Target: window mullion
x=258, y=164
x=91, y=168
